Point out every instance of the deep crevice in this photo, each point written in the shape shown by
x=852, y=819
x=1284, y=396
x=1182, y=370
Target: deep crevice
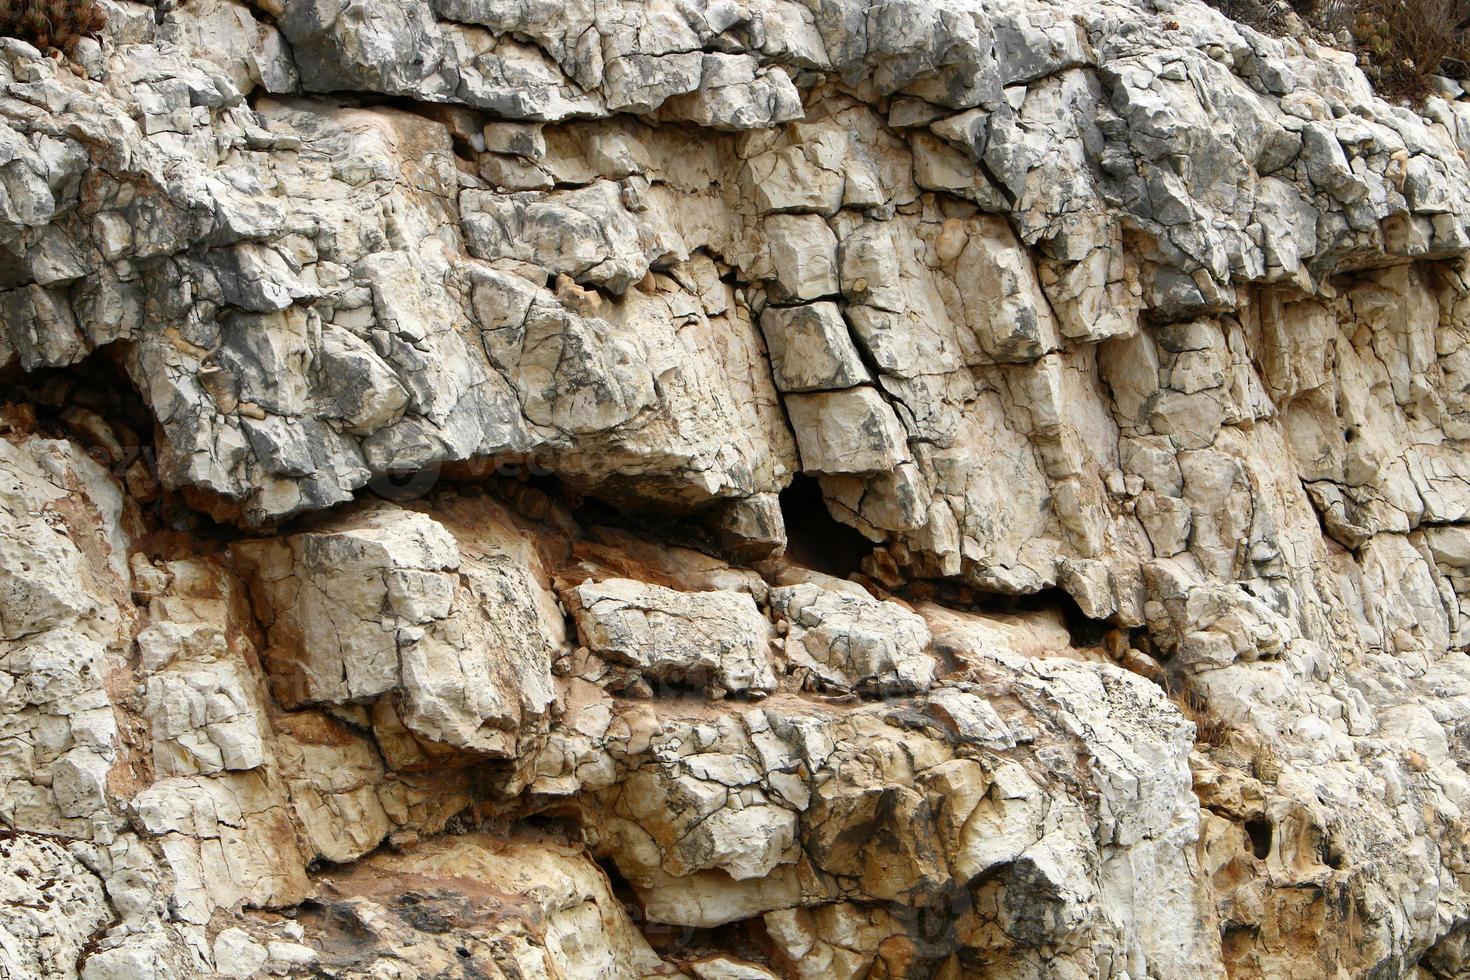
x=669, y=528
x=1083, y=630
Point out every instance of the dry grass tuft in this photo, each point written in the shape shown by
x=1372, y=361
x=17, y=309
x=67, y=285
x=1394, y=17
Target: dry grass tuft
x=51, y=25
x=1209, y=727
x=1401, y=43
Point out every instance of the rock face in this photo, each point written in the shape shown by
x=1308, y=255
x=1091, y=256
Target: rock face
x=729, y=490
x=719, y=640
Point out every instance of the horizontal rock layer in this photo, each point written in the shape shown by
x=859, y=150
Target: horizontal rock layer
x=838, y=488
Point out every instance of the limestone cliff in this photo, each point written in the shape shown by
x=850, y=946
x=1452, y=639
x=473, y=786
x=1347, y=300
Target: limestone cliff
x=729, y=489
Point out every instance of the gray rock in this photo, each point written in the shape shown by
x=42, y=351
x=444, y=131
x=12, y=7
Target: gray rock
x=810, y=348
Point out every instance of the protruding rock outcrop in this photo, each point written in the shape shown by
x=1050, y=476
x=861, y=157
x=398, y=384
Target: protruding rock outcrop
x=405, y=408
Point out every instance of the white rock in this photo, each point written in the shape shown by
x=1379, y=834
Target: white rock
x=853, y=642
x=811, y=349
x=237, y=955
x=701, y=639
x=850, y=431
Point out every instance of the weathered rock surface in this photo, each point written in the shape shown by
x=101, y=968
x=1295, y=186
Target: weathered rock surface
x=849, y=641
x=410, y=414
x=706, y=639
x=380, y=609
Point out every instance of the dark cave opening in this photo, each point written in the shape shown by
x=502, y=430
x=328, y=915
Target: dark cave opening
x=1259, y=832
x=1331, y=856
x=1085, y=631
x=94, y=404
x=816, y=539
